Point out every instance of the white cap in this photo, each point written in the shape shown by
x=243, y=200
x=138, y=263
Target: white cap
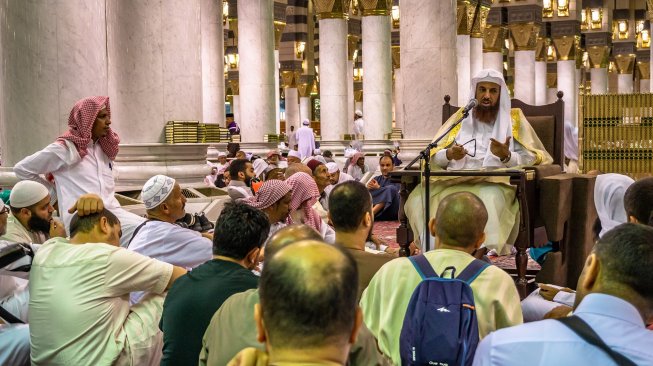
x=332, y=167
x=294, y=153
x=156, y=190
x=317, y=152
x=26, y=193
x=359, y=113
x=306, y=122
x=221, y=154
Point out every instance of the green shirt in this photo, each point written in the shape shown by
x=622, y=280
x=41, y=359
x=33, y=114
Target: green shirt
x=192, y=301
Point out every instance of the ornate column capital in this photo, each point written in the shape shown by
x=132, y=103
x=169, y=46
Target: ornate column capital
x=480, y=20
x=305, y=85
x=352, y=45
x=524, y=22
x=235, y=86
x=650, y=9
x=541, y=46
x=625, y=63
x=599, y=56
x=278, y=32
x=551, y=75
x=290, y=78
x=566, y=47
x=644, y=69
x=465, y=10
x=494, y=38
x=331, y=9
x=375, y=7
x=358, y=95
x=396, y=57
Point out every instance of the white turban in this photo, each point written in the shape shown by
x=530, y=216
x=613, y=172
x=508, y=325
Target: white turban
x=156, y=190
x=306, y=122
x=294, y=153
x=609, y=191
x=26, y=193
x=259, y=166
x=359, y=113
x=332, y=167
x=571, y=141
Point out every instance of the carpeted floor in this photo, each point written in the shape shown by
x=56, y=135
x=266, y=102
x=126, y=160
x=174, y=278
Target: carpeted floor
x=386, y=231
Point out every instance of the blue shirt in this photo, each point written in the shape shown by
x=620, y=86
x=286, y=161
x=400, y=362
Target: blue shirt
x=550, y=342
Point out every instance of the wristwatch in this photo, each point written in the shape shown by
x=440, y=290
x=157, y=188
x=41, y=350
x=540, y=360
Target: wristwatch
x=507, y=158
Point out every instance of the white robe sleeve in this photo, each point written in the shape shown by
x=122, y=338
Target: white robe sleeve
x=441, y=159
x=520, y=156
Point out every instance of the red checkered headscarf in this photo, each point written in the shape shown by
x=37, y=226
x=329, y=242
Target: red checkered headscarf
x=270, y=193
x=80, y=127
x=304, y=195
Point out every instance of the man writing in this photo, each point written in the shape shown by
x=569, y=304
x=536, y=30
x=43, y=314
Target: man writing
x=484, y=140
x=385, y=193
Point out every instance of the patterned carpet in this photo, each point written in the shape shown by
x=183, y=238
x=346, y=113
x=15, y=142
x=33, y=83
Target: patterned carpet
x=387, y=232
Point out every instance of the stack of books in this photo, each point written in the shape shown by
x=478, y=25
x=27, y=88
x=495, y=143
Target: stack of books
x=271, y=137
x=182, y=132
x=396, y=134
x=213, y=133
x=235, y=138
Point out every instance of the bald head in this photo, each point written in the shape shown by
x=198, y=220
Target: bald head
x=297, y=168
x=460, y=220
x=308, y=293
x=288, y=235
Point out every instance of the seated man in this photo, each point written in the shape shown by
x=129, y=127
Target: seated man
x=273, y=198
x=241, y=172
x=458, y=228
x=614, y=298
x=322, y=327
x=240, y=233
x=385, y=194
x=321, y=177
x=79, y=307
x=294, y=157
x=492, y=137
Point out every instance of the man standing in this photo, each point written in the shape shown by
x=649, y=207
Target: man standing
x=82, y=161
x=484, y=140
x=305, y=140
x=292, y=139
x=241, y=173
x=232, y=125
x=385, y=193
x=240, y=231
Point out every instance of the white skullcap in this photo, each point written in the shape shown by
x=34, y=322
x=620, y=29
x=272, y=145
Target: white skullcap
x=359, y=113
x=221, y=154
x=332, y=167
x=306, y=122
x=259, y=166
x=156, y=190
x=317, y=152
x=294, y=153
x=26, y=193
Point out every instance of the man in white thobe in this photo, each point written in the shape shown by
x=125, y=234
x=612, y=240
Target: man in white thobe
x=492, y=137
x=292, y=138
x=305, y=140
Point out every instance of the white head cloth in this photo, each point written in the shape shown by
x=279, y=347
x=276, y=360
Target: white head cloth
x=359, y=113
x=259, y=166
x=571, y=141
x=609, y=192
x=502, y=125
x=26, y=193
x=222, y=153
x=294, y=153
x=332, y=167
x=306, y=122
x=156, y=190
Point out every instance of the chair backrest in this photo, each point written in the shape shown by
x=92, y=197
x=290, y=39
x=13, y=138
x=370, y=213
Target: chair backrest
x=547, y=121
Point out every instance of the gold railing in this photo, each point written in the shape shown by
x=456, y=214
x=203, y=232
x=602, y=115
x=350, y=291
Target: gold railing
x=616, y=134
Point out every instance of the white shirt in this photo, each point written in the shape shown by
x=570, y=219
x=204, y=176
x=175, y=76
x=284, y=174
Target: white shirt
x=359, y=126
x=80, y=300
x=549, y=342
x=482, y=132
x=14, y=294
x=305, y=141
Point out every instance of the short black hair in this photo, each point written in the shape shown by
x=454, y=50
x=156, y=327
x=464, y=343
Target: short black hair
x=85, y=224
x=239, y=229
x=236, y=166
x=385, y=156
x=327, y=154
x=638, y=201
x=348, y=203
x=626, y=257
x=460, y=219
x=310, y=304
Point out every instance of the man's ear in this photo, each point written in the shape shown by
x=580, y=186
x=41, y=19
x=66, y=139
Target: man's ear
x=481, y=240
x=591, y=273
x=252, y=256
x=241, y=175
x=103, y=226
x=432, y=225
x=261, y=335
x=367, y=219
x=358, y=321
x=632, y=219
x=25, y=212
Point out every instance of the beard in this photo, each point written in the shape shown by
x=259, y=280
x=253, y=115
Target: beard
x=486, y=114
x=36, y=223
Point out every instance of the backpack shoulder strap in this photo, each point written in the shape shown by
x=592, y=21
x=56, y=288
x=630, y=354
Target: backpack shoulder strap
x=472, y=271
x=138, y=228
x=423, y=266
x=583, y=330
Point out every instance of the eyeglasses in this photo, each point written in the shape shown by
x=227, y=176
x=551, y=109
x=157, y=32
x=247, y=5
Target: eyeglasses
x=5, y=210
x=471, y=143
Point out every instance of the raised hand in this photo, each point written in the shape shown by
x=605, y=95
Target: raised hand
x=499, y=149
x=456, y=152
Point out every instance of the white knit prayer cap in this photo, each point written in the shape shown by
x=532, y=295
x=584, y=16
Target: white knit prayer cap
x=332, y=167
x=294, y=153
x=156, y=190
x=26, y=193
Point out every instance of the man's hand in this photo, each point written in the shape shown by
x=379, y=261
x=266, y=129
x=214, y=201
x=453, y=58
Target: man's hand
x=87, y=204
x=558, y=312
x=549, y=292
x=249, y=357
x=373, y=185
x=456, y=152
x=501, y=150
x=57, y=229
x=207, y=235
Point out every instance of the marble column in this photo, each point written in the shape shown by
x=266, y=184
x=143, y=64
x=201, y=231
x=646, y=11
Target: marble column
x=540, y=71
x=599, y=78
x=304, y=108
x=212, y=61
x=350, y=97
x=551, y=82
x=644, y=85
x=493, y=60
x=277, y=94
x=644, y=71
x=359, y=106
x=475, y=56
x=377, y=82
x=625, y=84
x=463, y=67
x=54, y=53
x=524, y=37
x=428, y=47
x=256, y=35
x=292, y=107
x=567, y=83
x=236, y=108
x=599, y=57
x=154, y=82
x=399, y=99
x=625, y=67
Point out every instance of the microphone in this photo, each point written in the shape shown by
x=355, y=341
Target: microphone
x=470, y=105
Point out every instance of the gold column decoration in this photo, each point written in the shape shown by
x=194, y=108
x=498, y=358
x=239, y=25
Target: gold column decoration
x=551, y=80
x=305, y=88
x=524, y=35
x=480, y=22
x=278, y=31
x=375, y=7
x=352, y=46
x=290, y=78
x=625, y=63
x=332, y=9
x=235, y=87
x=541, y=47
x=465, y=17
x=566, y=47
x=644, y=69
x=494, y=37
x=396, y=64
x=358, y=95
x=233, y=26
x=599, y=56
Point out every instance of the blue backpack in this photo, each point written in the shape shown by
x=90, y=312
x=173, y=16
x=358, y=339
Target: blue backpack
x=440, y=326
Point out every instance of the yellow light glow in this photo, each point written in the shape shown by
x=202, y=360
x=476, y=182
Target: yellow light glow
x=563, y=8
x=623, y=26
x=300, y=47
x=225, y=11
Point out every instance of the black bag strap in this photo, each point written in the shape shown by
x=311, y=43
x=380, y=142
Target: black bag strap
x=13, y=252
x=138, y=228
x=583, y=330
x=9, y=317
x=472, y=271
x=423, y=266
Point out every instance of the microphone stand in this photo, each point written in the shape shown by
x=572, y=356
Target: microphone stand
x=425, y=157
